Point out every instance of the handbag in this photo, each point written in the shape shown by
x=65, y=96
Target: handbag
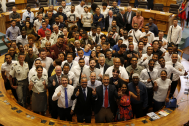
x=172, y=103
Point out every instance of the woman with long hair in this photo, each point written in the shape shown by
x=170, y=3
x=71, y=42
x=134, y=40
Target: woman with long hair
x=28, y=28
x=124, y=111
x=182, y=13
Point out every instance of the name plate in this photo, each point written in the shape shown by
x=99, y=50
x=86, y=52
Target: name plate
x=134, y=9
x=23, y=10
x=162, y=12
x=147, y=10
x=36, y=8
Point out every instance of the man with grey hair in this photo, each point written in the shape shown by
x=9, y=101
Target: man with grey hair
x=128, y=17
x=138, y=107
x=120, y=18
x=46, y=39
x=109, y=19
x=101, y=64
x=55, y=34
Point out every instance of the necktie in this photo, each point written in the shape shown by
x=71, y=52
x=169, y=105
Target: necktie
x=128, y=17
x=172, y=73
x=66, y=98
x=80, y=74
x=71, y=65
x=106, y=99
x=97, y=39
x=59, y=80
x=84, y=94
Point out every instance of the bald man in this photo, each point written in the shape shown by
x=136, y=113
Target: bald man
x=93, y=83
x=128, y=16
x=15, y=16
x=53, y=83
x=109, y=19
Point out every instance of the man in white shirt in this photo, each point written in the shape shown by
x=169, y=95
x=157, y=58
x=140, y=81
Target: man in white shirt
x=161, y=47
x=72, y=16
x=33, y=71
x=169, y=68
x=70, y=61
x=123, y=73
x=22, y=38
x=46, y=61
x=125, y=38
x=63, y=94
x=38, y=22
x=136, y=33
x=65, y=9
x=147, y=33
x=146, y=56
x=174, y=77
x=147, y=77
x=145, y=42
x=101, y=64
x=81, y=55
x=93, y=83
x=80, y=9
x=86, y=19
x=160, y=37
x=130, y=39
x=78, y=70
x=70, y=74
x=5, y=69
x=28, y=13
x=46, y=39
x=175, y=33
x=55, y=34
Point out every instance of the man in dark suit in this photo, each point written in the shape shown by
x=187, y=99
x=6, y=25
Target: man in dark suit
x=120, y=18
x=109, y=19
x=128, y=17
x=101, y=64
x=85, y=99
x=105, y=104
x=53, y=83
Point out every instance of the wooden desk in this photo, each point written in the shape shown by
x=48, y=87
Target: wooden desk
x=9, y=117
x=162, y=19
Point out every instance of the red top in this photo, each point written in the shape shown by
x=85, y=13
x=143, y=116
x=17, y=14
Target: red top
x=41, y=32
x=57, y=49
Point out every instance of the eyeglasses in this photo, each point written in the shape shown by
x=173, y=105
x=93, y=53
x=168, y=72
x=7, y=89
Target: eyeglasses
x=111, y=34
x=103, y=39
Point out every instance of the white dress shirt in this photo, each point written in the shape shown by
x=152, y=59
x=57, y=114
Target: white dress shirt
x=65, y=9
x=126, y=42
x=34, y=72
x=85, y=58
x=101, y=69
x=177, y=66
x=79, y=9
x=105, y=13
x=71, y=76
x=146, y=46
x=54, y=37
x=168, y=56
x=61, y=99
x=145, y=62
x=162, y=49
x=122, y=70
x=24, y=41
x=48, y=61
x=163, y=40
x=72, y=64
x=27, y=14
x=137, y=33
x=150, y=38
x=77, y=70
x=176, y=35
x=6, y=67
x=144, y=76
x=161, y=93
x=170, y=69
x=93, y=86
x=37, y=24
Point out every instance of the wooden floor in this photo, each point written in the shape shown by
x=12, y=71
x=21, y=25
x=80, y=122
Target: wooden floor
x=9, y=117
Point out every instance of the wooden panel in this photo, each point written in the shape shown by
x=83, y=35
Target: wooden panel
x=166, y=9
x=20, y=1
x=162, y=26
x=171, y=2
x=2, y=26
x=21, y=6
x=132, y=1
x=146, y=14
x=164, y=2
x=162, y=17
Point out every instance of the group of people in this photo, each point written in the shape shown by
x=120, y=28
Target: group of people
x=115, y=76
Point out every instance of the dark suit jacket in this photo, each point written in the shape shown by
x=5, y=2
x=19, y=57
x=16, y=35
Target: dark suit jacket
x=105, y=67
x=125, y=17
x=82, y=106
x=107, y=22
x=120, y=21
x=119, y=85
x=112, y=94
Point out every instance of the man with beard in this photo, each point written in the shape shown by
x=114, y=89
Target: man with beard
x=30, y=57
x=22, y=38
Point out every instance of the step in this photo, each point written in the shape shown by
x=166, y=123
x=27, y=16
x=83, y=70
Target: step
x=3, y=49
x=2, y=43
x=2, y=36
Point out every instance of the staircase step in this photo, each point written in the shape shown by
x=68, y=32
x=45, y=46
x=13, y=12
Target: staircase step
x=3, y=49
x=2, y=43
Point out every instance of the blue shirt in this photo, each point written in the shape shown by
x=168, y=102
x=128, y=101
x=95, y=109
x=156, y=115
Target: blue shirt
x=143, y=94
x=104, y=89
x=153, y=28
x=13, y=32
x=101, y=23
x=116, y=48
x=87, y=53
x=96, y=84
x=48, y=26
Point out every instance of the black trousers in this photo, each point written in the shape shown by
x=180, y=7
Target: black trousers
x=54, y=109
x=8, y=87
x=150, y=4
x=187, y=19
x=137, y=110
x=173, y=87
x=64, y=114
x=87, y=28
x=80, y=118
x=150, y=96
x=128, y=27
